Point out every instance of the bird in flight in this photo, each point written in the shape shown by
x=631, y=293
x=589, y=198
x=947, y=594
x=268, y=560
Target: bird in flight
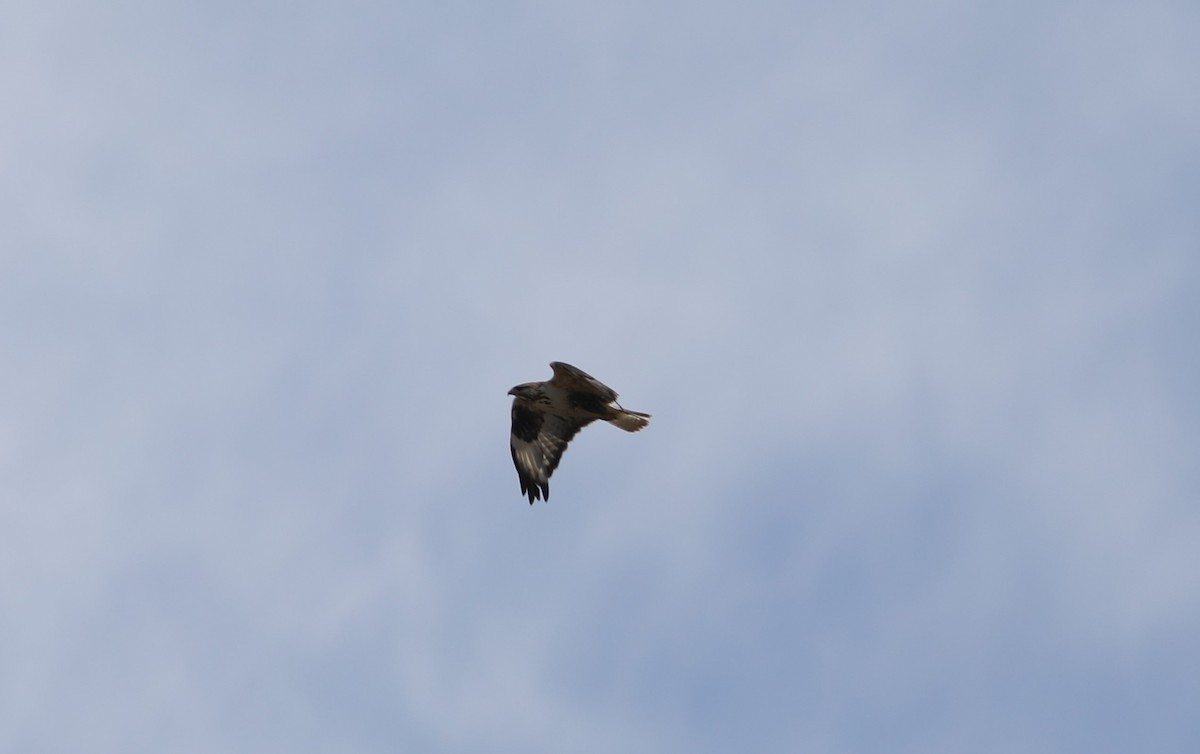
x=546, y=415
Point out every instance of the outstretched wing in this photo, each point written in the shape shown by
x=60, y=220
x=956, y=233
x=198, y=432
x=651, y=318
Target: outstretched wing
x=573, y=379
x=537, y=443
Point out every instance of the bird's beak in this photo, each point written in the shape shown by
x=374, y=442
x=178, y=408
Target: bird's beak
x=514, y=390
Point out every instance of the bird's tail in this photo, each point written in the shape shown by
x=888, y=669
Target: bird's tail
x=630, y=421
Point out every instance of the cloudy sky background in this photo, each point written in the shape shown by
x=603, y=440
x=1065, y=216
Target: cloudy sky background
x=911, y=291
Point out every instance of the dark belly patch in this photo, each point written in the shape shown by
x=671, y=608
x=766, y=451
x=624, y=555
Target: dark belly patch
x=589, y=402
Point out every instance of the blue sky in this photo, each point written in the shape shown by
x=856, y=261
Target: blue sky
x=911, y=292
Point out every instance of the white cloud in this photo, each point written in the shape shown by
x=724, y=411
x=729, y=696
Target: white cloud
x=907, y=298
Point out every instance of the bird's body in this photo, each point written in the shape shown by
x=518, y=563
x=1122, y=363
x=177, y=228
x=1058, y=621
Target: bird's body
x=546, y=415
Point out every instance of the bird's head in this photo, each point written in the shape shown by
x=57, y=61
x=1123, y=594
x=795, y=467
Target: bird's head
x=527, y=390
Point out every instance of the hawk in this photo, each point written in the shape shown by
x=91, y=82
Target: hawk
x=546, y=415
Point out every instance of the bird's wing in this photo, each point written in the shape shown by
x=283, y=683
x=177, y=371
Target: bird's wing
x=574, y=379
x=537, y=443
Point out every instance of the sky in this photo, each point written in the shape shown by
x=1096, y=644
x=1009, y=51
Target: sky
x=910, y=290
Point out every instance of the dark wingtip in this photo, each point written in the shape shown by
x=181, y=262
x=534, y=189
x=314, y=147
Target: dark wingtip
x=534, y=489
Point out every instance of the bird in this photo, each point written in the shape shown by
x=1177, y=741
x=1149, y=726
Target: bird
x=546, y=415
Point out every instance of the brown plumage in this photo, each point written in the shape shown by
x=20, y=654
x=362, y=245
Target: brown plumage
x=546, y=415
